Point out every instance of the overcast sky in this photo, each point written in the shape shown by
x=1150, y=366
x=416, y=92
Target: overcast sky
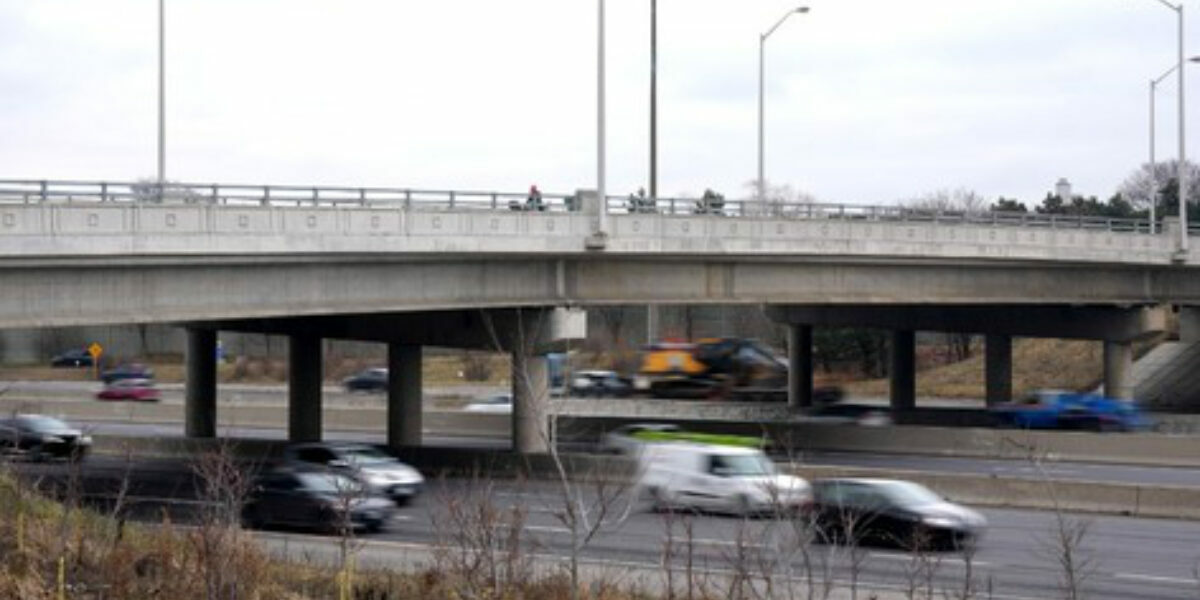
x=868, y=101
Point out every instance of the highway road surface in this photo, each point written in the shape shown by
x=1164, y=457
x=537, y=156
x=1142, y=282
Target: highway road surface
x=1119, y=558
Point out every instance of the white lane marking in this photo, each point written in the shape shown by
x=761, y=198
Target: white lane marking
x=402, y=517
x=547, y=528
x=713, y=542
x=953, y=560
x=1157, y=578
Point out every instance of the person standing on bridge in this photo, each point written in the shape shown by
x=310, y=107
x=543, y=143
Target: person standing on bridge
x=534, y=201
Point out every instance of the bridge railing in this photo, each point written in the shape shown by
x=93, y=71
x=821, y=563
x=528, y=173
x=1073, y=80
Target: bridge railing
x=149, y=192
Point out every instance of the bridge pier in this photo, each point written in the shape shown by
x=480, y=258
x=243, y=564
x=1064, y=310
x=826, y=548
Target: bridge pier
x=1118, y=370
x=800, y=366
x=304, y=388
x=530, y=391
x=404, y=408
x=200, y=393
x=903, y=371
x=998, y=368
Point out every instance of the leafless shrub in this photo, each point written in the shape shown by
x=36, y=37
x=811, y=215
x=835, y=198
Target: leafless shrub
x=480, y=545
x=1064, y=544
x=216, y=540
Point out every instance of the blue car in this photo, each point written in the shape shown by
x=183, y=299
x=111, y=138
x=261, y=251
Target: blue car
x=1070, y=410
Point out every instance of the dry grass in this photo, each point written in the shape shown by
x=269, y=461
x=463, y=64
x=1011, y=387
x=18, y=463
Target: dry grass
x=1037, y=364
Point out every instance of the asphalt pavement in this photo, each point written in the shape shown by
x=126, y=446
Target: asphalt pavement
x=1117, y=557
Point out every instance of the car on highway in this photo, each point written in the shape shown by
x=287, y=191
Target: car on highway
x=631, y=439
x=126, y=371
x=141, y=390
x=866, y=415
x=315, y=499
x=374, y=379
x=496, y=403
x=40, y=437
x=1053, y=409
x=712, y=477
x=75, y=357
x=381, y=472
x=891, y=512
x=600, y=384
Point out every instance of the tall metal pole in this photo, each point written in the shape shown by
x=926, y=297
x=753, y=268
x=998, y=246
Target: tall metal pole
x=652, y=309
x=600, y=187
x=1153, y=132
x=1183, y=182
x=762, y=186
x=1153, y=164
x=762, y=42
x=653, y=98
x=162, y=100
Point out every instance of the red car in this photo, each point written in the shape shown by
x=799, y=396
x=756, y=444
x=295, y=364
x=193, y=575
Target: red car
x=130, y=389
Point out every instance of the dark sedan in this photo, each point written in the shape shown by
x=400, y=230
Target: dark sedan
x=892, y=512
x=77, y=357
x=315, y=500
x=40, y=438
x=367, y=380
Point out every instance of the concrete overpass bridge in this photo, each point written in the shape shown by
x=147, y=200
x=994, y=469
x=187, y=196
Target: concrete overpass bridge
x=472, y=269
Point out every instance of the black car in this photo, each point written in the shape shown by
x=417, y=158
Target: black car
x=891, y=512
x=78, y=357
x=40, y=438
x=374, y=379
x=126, y=371
x=314, y=499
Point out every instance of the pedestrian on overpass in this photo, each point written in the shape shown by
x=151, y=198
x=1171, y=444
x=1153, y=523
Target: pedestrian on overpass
x=534, y=201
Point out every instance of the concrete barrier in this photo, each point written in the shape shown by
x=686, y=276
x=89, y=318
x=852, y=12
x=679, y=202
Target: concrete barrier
x=262, y=415
x=798, y=437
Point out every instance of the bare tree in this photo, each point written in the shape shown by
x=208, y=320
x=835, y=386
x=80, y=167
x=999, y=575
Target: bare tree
x=958, y=200
x=481, y=544
x=223, y=487
x=589, y=498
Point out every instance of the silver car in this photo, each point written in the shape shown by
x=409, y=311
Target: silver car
x=384, y=473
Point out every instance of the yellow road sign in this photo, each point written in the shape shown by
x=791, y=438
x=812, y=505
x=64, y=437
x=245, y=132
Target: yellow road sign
x=95, y=350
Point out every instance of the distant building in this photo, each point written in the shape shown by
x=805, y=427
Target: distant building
x=1062, y=189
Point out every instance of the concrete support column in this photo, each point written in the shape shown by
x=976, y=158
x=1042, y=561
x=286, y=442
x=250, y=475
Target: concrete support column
x=998, y=369
x=304, y=388
x=800, y=366
x=200, y=394
x=404, y=395
x=1118, y=370
x=530, y=396
x=904, y=371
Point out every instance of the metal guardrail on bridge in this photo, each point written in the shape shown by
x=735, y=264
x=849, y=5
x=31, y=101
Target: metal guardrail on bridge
x=79, y=192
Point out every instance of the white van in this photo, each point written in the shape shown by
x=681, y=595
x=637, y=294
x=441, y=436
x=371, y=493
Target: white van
x=721, y=478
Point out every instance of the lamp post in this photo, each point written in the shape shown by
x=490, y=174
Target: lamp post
x=762, y=41
x=1182, y=173
x=602, y=223
x=1153, y=170
x=162, y=101
x=653, y=98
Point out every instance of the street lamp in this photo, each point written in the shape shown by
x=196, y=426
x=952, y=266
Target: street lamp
x=1153, y=170
x=1153, y=164
x=162, y=101
x=1182, y=174
x=762, y=41
x=602, y=223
